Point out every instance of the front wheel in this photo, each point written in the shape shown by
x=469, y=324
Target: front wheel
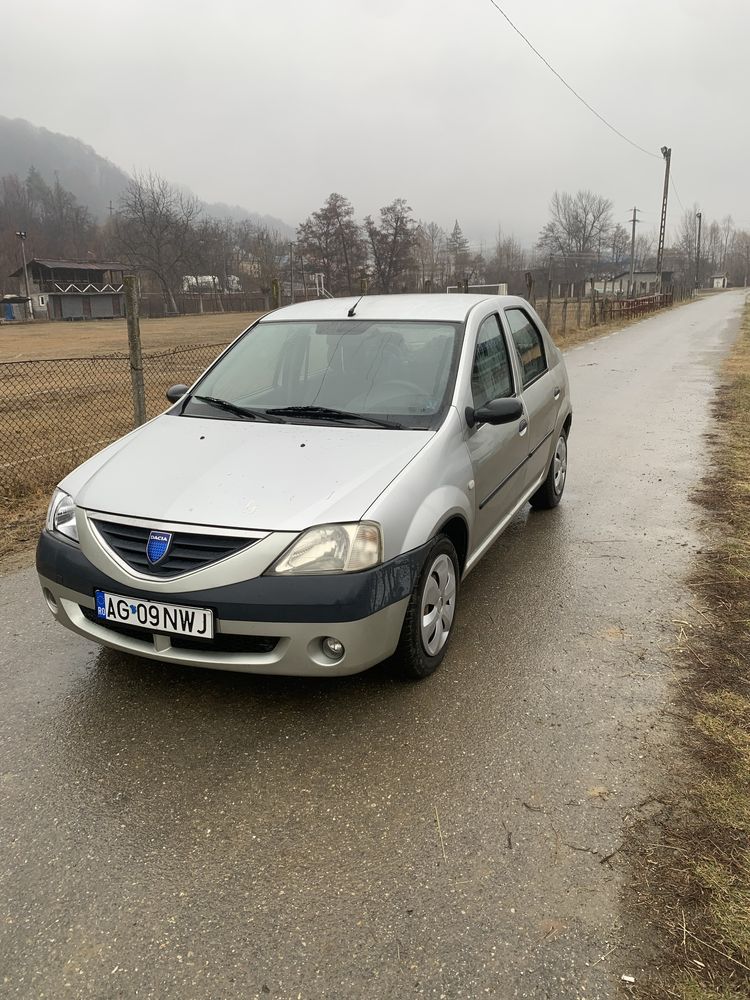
x=430, y=614
x=550, y=492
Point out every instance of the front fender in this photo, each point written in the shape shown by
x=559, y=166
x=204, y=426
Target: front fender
x=435, y=486
x=435, y=510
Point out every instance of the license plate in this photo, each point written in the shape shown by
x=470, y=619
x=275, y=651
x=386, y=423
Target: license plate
x=155, y=617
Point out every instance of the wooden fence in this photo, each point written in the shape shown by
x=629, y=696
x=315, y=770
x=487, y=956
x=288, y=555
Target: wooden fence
x=564, y=316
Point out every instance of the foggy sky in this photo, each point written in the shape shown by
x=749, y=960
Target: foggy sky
x=274, y=105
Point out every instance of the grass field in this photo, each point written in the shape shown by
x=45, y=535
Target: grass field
x=26, y=341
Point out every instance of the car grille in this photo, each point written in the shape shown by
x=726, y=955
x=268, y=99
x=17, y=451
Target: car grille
x=189, y=551
x=220, y=643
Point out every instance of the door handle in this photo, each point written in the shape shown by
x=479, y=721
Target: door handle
x=556, y=393
x=523, y=426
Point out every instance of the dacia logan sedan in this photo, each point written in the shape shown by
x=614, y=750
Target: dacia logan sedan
x=312, y=503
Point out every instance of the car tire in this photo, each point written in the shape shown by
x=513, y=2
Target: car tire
x=430, y=614
x=550, y=492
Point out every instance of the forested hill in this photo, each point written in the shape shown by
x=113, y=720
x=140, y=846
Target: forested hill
x=79, y=168
x=94, y=180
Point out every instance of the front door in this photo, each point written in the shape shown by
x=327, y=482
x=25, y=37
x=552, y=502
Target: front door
x=498, y=453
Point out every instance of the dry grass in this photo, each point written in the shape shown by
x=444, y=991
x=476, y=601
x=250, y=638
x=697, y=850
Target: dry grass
x=55, y=415
x=699, y=891
x=27, y=341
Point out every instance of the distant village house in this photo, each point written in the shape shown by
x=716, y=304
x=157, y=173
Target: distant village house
x=74, y=289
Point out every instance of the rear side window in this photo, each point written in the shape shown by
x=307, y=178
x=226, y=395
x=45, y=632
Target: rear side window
x=491, y=375
x=528, y=341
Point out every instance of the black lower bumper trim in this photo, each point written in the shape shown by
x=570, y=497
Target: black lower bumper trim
x=343, y=597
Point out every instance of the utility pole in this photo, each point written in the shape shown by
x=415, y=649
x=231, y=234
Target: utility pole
x=631, y=279
x=291, y=269
x=699, y=217
x=21, y=234
x=667, y=154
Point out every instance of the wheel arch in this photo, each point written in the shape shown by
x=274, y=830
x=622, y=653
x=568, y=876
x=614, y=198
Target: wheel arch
x=456, y=530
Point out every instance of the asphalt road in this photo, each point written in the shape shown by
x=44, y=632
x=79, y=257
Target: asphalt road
x=178, y=833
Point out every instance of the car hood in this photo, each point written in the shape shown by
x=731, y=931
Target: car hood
x=231, y=473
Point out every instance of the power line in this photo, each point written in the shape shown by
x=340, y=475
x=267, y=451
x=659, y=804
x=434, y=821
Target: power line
x=565, y=83
x=676, y=193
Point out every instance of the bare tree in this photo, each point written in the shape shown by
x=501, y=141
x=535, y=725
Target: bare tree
x=507, y=262
x=644, y=250
x=579, y=224
x=391, y=243
x=265, y=250
x=738, y=261
x=155, y=230
x=727, y=229
x=430, y=252
x=620, y=244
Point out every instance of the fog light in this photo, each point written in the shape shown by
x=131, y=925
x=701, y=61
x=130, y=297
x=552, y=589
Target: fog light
x=333, y=648
x=50, y=599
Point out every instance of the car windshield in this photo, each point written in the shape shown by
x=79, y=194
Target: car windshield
x=353, y=372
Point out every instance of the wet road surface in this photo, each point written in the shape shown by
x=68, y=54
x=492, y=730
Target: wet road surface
x=170, y=832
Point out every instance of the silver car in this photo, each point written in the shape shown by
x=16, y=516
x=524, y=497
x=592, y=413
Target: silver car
x=311, y=504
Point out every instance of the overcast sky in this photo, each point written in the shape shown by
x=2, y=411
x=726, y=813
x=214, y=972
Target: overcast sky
x=274, y=105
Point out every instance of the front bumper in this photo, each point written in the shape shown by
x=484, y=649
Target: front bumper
x=268, y=625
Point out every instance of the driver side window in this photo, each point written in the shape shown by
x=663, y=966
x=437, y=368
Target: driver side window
x=491, y=376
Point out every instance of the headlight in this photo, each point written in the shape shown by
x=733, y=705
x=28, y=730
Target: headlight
x=333, y=548
x=61, y=515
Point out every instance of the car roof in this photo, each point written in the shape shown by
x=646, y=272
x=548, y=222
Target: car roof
x=436, y=306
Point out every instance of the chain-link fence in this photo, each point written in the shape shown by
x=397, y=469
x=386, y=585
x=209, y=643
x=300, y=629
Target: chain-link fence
x=54, y=414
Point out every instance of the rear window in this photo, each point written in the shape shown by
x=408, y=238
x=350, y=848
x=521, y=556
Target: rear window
x=529, y=344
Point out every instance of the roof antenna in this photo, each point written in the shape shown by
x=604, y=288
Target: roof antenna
x=351, y=311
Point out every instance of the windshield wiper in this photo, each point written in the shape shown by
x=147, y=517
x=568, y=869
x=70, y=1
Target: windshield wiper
x=327, y=413
x=239, y=411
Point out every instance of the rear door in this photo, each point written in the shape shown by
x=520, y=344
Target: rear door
x=498, y=453
x=540, y=392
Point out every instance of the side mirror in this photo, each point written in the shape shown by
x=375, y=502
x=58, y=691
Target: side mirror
x=176, y=392
x=497, y=411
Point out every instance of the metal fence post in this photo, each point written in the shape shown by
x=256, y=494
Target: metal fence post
x=134, y=349
x=549, y=304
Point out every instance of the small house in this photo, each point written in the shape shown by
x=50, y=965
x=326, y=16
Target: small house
x=718, y=281
x=74, y=289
